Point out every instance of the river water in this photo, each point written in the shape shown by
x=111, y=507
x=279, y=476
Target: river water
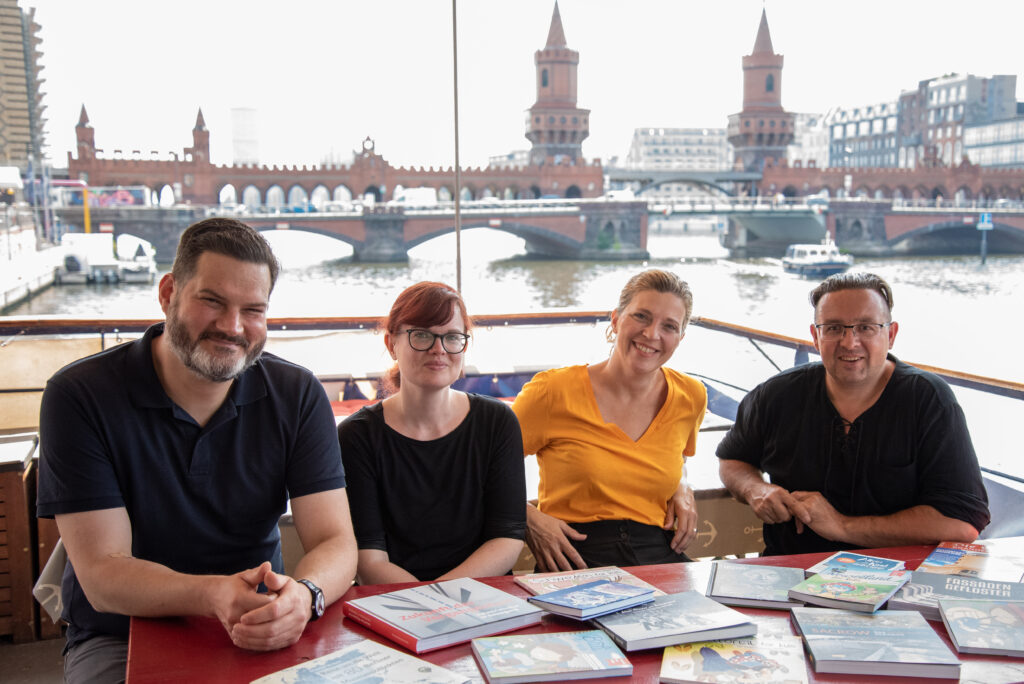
x=953, y=312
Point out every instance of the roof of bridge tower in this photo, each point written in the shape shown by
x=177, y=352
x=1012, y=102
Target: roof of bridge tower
x=200, y=121
x=83, y=118
x=763, y=42
x=556, y=34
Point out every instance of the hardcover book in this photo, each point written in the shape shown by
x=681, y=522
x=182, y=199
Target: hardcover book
x=544, y=582
x=850, y=561
x=757, y=660
x=675, y=619
x=436, y=615
x=972, y=560
x=889, y=642
x=985, y=626
x=364, y=662
x=592, y=599
x=758, y=586
x=545, y=657
x=923, y=591
x=862, y=591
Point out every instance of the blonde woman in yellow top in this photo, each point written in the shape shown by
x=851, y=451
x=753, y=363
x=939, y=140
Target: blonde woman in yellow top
x=611, y=438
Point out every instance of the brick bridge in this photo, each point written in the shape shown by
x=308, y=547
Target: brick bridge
x=564, y=229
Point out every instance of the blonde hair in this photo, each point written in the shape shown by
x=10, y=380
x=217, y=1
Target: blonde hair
x=659, y=281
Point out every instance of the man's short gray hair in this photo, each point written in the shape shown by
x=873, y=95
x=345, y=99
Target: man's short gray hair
x=852, y=281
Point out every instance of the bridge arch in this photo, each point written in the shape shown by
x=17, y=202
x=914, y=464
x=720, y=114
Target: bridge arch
x=1001, y=233
x=252, y=197
x=544, y=240
x=939, y=192
x=319, y=197
x=298, y=197
x=341, y=193
x=227, y=195
x=166, y=196
x=274, y=197
x=374, y=192
x=573, y=192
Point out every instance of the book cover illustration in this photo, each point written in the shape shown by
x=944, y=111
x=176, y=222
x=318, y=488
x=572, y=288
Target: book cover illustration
x=979, y=626
x=756, y=660
x=442, y=613
x=593, y=599
x=675, y=619
x=740, y=584
x=542, y=657
x=924, y=590
x=850, y=561
x=364, y=663
x=546, y=582
x=887, y=642
x=855, y=591
x=972, y=560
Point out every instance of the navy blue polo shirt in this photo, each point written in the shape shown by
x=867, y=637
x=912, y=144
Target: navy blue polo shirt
x=202, y=500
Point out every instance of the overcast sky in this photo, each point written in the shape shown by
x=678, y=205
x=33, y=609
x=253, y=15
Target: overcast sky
x=324, y=74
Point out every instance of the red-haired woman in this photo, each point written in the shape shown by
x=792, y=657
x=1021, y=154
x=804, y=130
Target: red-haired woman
x=434, y=475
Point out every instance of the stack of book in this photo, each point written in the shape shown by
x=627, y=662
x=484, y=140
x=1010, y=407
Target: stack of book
x=972, y=560
x=755, y=586
x=851, y=561
x=889, y=642
x=436, y=615
x=675, y=619
x=545, y=582
x=513, y=658
x=985, y=626
x=924, y=590
x=593, y=599
x=839, y=588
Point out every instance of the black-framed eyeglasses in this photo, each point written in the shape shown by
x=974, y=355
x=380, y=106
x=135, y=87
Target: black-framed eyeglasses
x=423, y=340
x=836, y=331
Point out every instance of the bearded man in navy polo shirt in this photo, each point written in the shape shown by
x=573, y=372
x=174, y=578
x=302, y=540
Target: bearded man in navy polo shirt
x=168, y=461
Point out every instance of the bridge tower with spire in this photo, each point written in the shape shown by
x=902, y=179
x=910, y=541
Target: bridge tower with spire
x=556, y=126
x=763, y=129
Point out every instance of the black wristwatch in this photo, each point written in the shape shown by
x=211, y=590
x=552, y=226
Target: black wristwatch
x=319, y=604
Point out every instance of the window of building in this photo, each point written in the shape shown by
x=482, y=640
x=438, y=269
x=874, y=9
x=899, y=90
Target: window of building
x=769, y=83
x=544, y=78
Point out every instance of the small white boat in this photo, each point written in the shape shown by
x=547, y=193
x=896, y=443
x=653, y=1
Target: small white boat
x=816, y=261
x=96, y=258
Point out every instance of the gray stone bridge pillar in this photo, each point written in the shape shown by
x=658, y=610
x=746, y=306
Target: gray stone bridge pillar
x=384, y=238
x=615, y=230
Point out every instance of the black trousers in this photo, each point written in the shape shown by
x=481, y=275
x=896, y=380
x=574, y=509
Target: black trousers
x=625, y=542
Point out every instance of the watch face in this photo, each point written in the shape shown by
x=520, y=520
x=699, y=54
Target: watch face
x=318, y=603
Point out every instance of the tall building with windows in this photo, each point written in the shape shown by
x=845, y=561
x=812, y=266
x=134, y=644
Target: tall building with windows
x=678, y=149
x=932, y=117
x=1000, y=143
x=763, y=129
x=864, y=137
x=21, y=100
x=554, y=124
x=810, y=140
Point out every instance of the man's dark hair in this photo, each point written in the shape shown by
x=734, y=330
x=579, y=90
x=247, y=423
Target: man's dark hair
x=226, y=236
x=852, y=281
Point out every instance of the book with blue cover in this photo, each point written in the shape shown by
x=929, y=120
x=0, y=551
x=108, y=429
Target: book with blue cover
x=592, y=599
x=851, y=561
x=756, y=586
x=557, y=656
x=925, y=589
x=972, y=560
x=889, y=642
x=985, y=626
x=754, y=660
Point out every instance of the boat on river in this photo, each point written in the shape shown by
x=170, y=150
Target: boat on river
x=99, y=258
x=816, y=260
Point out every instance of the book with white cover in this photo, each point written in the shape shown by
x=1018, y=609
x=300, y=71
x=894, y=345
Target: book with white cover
x=364, y=662
x=675, y=619
x=543, y=582
x=851, y=561
x=757, y=586
x=849, y=590
x=924, y=590
x=592, y=599
x=436, y=615
x=985, y=626
x=755, y=660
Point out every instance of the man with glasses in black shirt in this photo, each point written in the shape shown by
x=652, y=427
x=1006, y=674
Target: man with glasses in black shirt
x=862, y=450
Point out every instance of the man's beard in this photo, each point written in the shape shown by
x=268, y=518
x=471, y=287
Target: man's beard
x=203, y=363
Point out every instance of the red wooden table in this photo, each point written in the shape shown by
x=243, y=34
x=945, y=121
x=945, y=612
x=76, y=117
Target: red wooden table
x=198, y=649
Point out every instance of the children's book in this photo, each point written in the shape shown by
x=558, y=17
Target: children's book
x=850, y=561
x=555, y=656
x=544, y=582
x=972, y=560
x=675, y=619
x=592, y=599
x=985, y=626
x=756, y=660
x=758, y=586
x=862, y=591
x=923, y=591
x=364, y=662
x=889, y=642
x=435, y=615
